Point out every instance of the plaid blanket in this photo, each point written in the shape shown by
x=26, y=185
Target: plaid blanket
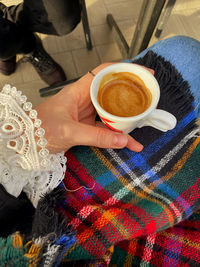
x=126, y=195
x=130, y=209
x=176, y=246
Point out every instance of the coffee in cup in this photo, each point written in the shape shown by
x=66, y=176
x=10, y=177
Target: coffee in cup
x=123, y=94
x=126, y=97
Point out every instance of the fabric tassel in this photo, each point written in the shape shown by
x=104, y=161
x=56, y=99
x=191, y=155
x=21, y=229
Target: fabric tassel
x=12, y=252
x=50, y=228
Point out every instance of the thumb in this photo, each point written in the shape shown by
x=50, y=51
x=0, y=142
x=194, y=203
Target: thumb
x=102, y=137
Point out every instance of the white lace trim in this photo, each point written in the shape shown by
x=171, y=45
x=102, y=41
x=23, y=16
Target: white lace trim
x=22, y=167
x=39, y=183
x=18, y=127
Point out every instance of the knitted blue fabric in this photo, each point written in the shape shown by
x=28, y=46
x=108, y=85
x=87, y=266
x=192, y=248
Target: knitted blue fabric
x=184, y=53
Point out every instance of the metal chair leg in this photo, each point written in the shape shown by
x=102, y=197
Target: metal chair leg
x=147, y=21
x=52, y=90
x=166, y=12
x=86, y=27
x=148, y=17
x=119, y=38
x=151, y=13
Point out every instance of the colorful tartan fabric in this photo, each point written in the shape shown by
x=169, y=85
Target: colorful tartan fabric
x=132, y=194
x=176, y=246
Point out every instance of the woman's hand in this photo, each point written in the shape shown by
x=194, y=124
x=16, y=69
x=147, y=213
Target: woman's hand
x=69, y=120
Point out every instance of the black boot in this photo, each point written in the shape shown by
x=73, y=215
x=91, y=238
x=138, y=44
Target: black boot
x=49, y=71
x=8, y=66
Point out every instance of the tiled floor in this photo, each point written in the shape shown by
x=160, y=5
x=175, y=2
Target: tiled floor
x=70, y=51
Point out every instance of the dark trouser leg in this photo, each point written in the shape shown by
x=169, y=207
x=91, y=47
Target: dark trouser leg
x=14, y=38
x=17, y=23
x=57, y=17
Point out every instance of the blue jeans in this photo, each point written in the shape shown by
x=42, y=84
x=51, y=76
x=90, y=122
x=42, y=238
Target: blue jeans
x=184, y=53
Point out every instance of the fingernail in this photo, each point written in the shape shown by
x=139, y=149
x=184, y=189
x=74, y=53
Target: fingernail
x=136, y=146
x=139, y=147
x=120, y=140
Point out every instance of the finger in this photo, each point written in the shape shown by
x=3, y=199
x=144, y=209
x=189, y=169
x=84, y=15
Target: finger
x=134, y=145
x=98, y=136
x=150, y=70
x=88, y=77
x=104, y=138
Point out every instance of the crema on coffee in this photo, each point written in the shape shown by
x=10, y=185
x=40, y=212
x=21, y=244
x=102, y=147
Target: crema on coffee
x=123, y=94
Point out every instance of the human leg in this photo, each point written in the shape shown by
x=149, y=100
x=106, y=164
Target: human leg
x=184, y=53
x=15, y=39
x=58, y=17
x=17, y=25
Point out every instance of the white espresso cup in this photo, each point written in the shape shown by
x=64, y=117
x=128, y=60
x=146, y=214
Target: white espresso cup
x=157, y=118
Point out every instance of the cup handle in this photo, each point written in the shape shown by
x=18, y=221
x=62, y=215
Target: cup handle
x=160, y=119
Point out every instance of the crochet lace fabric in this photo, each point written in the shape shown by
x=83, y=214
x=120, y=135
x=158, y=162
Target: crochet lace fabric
x=25, y=163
